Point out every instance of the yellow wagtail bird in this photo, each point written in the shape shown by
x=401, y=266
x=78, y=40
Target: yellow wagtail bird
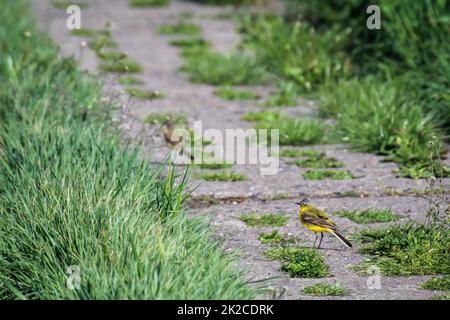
x=317, y=221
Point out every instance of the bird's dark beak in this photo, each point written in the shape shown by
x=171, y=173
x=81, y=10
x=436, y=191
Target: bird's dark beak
x=298, y=203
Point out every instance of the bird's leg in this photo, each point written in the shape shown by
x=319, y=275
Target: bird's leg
x=315, y=240
x=320, y=242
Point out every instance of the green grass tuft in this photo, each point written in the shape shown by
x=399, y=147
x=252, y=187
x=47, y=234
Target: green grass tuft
x=325, y=174
x=226, y=176
x=275, y=237
x=190, y=43
x=122, y=66
x=63, y=4
x=113, y=56
x=164, y=118
x=299, y=262
x=148, y=3
x=228, y=93
x=101, y=42
x=130, y=80
x=223, y=69
x=182, y=28
x=325, y=289
x=144, y=95
x=318, y=162
x=369, y=215
x=412, y=249
x=295, y=153
x=442, y=283
x=213, y=165
x=90, y=32
x=264, y=220
x=296, y=131
x=286, y=95
x=265, y=116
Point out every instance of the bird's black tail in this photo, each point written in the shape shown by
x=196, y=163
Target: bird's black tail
x=342, y=239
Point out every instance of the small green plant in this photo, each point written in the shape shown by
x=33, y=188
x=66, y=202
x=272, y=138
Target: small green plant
x=442, y=283
x=212, y=166
x=181, y=28
x=296, y=153
x=101, y=42
x=164, y=118
x=112, y=55
x=325, y=289
x=296, y=131
x=299, y=262
x=122, y=66
x=264, y=220
x=149, y=3
x=272, y=237
x=63, y=4
x=412, y=249
x=229, y=93
x=223, y=69
x=369, y=215
x=190, y=43
x=318, y=162
x=325, y=174
x=275, y=237
x=226, y=176
x=130, y=80
x=83, y=32
x=286, y=96
x=145, y=95
x=265, y=116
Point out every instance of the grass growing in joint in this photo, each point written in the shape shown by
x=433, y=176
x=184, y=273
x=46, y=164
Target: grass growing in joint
x=369, y=215
x=275, y=237
x=264, y=220
x=442, y=283
x=299, y=262
x=148, y=3
x=295, y=153
x=144, y=95
x=130, y=80
x=228, y=93
x=83, y=32
x=412, y=249
x=223, y=69
x=190, y=43
x=325, y=289
x=164, y=118
x=71, y=195
x=101, y=42
x=327, y=174
x=226, y=176
x=63, y=4
x=296, y=131
x=182, y=28
x=318, y=162
x=259, y=116
x=122, y=66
